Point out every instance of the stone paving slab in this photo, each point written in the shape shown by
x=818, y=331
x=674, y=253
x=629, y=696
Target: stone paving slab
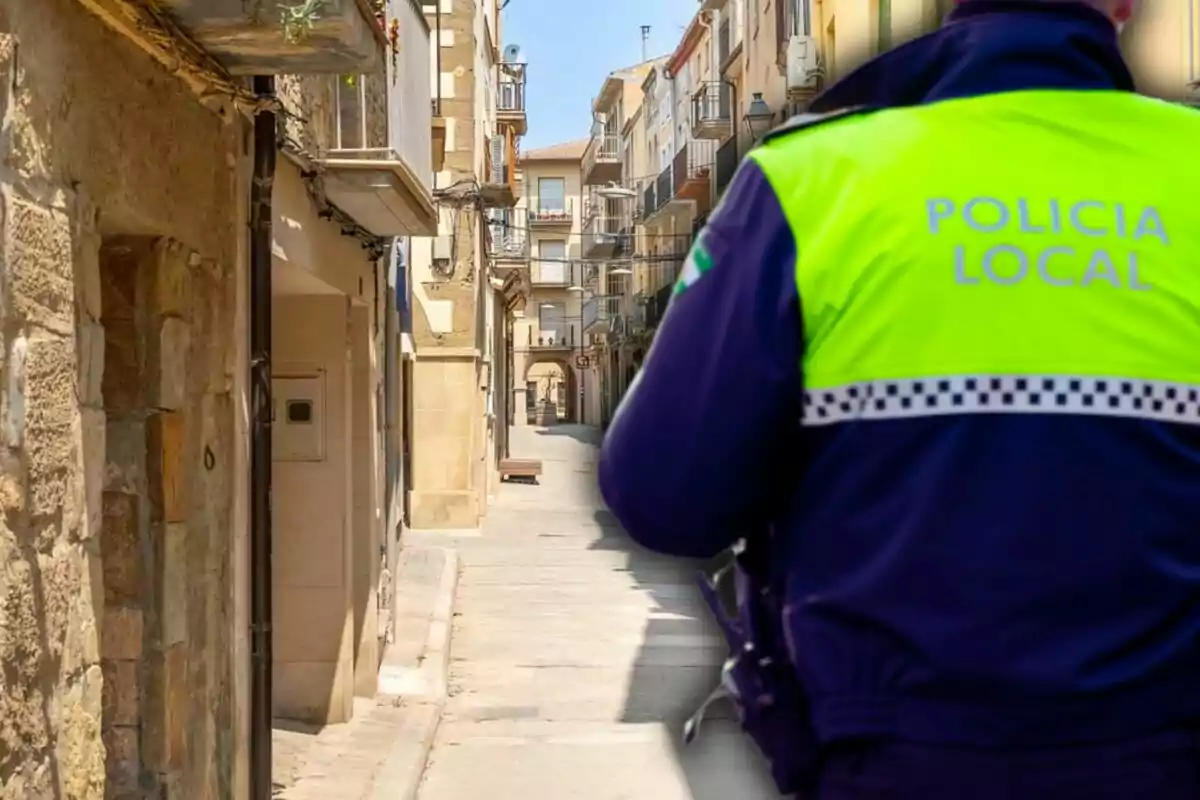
x=576, y=656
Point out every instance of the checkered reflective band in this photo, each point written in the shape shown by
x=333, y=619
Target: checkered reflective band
x=1012, y=394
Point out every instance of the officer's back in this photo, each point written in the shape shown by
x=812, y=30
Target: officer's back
x=992, y=504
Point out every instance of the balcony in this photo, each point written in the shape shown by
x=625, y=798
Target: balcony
x=549, y=273
x=712, y=111
x=692, y=171
x=552, y=340
x=591, y=276
x=655, y=306
x=602, y=160
x=728, y=159
x=379, y=167
x=602, y=229
x=649, y=200
x=550, y=213
x=499, y=189
x=724, y=41
x=510, y=97
x=509, y=240
x=599, y=313
x=285, y=37
x=661, y=196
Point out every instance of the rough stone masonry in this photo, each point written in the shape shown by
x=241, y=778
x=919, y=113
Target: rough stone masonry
x=119, y=228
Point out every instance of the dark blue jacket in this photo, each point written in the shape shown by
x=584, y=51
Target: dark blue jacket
x=982, y=579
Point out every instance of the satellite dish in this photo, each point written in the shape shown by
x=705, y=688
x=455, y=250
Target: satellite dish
x=511, y=52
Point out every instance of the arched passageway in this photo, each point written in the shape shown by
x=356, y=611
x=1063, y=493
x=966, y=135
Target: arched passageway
x=551, y=381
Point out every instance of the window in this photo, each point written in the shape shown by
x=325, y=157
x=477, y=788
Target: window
x=796, y=16
x=552, y=260
x=553, y=248
x=552, y=195
x=552, y=323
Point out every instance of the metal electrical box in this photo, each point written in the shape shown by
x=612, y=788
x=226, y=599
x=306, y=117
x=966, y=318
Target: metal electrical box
x=298, y=433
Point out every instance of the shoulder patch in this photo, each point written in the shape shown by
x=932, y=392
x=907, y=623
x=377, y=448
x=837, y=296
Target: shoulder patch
x=802, y=122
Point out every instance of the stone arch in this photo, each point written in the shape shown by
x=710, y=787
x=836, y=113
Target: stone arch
x=557, y=378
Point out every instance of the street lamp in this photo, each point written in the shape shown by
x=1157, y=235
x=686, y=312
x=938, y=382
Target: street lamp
x=759, y=117
x=620, y=271
x=612, y=190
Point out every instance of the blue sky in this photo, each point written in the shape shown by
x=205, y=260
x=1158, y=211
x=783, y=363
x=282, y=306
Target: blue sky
x=571, y=45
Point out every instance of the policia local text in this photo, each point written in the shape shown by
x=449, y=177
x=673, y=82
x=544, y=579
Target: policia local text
x=1056, y=265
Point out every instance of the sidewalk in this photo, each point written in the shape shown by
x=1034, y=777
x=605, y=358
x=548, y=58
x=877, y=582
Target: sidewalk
x=575, y=660
x=381, y=753
x=572, y=663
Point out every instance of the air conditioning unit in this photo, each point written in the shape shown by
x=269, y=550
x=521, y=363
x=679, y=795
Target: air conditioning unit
x=803, y=63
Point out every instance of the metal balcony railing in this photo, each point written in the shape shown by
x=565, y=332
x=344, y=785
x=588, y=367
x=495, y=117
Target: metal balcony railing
x=600, y=311
x=509, y=243
x=591, y=276
x=510, y=87
x=383, y=118
x=712, y=104
x=603, y=147
x=728, y=159
x=600, y=227
x=694, y=161
x=553, y=338
x=664, y=186
x=549, y=272
x=361, y=122
x=724, y=39
x=649, y=199
x=550, y=211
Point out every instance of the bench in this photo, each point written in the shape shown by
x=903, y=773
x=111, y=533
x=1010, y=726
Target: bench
x=520, y=470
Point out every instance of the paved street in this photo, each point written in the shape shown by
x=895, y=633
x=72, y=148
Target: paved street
x=574, y=659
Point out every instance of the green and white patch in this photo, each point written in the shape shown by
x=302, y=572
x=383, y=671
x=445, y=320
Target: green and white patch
x=698, y=262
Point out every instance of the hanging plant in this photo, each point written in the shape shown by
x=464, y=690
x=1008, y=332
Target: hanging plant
x=394, y=43
x=298, y=20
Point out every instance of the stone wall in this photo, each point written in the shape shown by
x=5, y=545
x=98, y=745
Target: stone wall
x=168, y=320
x=453, y=435
x=114, y=553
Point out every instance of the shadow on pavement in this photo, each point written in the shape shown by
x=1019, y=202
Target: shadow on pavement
x=583, y=433
x=677, y=666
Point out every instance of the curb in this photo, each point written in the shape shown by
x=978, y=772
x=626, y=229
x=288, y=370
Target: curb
x=402, y=772
x=441, y=627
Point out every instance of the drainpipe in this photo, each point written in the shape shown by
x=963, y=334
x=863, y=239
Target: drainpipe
x=260, y=444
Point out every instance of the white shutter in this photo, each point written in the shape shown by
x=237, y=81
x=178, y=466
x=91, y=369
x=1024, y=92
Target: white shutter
x=498, y=160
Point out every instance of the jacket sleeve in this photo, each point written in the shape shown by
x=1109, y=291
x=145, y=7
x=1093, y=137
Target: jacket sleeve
x=707, y=435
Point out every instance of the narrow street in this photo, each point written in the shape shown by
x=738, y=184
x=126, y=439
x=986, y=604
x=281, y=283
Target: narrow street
x=575, y=658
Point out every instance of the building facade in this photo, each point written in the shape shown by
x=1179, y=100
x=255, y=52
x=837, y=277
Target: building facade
x=354, y=184
x=460, y=401
x=148, y=637
x=612, y=212
x=548, y=384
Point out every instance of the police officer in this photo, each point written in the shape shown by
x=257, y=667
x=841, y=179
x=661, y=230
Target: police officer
x=947, y=338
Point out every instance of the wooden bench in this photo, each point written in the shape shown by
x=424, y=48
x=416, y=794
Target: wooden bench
x=520, y=470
